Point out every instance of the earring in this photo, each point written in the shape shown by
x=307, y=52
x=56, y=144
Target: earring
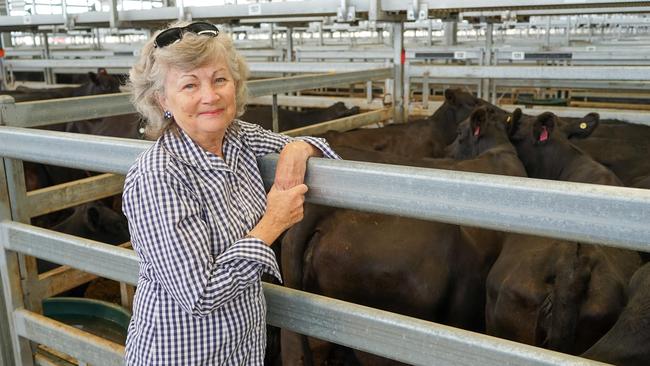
x=167, y=115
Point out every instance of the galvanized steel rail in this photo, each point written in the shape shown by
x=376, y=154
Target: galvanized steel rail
x=620, y=73
x=224, y=13
x=585, y=212
x=31, y=114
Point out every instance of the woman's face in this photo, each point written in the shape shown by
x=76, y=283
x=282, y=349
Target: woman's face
x=202, y=100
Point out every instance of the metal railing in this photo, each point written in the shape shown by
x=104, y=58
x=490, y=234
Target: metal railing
x=498, y=202
x=39, y=113
x=25, y=205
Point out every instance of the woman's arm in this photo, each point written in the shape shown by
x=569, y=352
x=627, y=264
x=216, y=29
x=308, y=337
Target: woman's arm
x=170, y=233
x=294, y=153
x=292, y=164
x=264, y=142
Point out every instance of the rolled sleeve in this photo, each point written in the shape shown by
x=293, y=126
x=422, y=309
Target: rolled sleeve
x=253, y=249
x=321, y=144
x=261, y=141
x=264, y=142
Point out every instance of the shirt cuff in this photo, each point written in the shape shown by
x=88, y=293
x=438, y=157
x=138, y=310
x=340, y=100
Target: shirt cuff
x=253, y=249
x=322, y=145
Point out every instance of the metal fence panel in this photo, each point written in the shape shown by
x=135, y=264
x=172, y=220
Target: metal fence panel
x=39, y=113
x=575, y=211
x=391, y=335
x=97, y=258
x=65, y=338
x=6, y=349
x=631, y=73
x=588, y=213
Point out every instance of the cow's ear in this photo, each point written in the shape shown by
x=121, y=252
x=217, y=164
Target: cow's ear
x=93, y=77
x=477, y=122
x=543, y=127
x=513, y=121
x=450, y=95
x=582, y=128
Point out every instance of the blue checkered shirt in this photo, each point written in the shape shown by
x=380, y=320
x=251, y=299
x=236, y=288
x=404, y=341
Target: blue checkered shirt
x=199, y=299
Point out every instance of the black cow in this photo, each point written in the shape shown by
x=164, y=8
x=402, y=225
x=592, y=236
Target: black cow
x=413, y=267
x=289, y=120
x=94, y=221
x=626, y=343
x=547, y=154
x=619, y=146
x=553, y=293
x=126, y=126
x=98, y=83
x=422, y=138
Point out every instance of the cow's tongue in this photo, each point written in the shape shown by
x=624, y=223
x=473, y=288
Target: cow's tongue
x=544, y=135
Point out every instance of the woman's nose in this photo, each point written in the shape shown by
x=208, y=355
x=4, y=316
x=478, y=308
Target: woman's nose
x=210, y=94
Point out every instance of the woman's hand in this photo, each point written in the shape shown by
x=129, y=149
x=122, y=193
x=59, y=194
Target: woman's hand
x=292, y=165
x=283, y=209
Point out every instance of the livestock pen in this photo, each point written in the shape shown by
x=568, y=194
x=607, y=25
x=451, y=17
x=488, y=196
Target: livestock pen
x=593, y=214
x=586, y=213
x=611, y=215
x=493, y=47
x=34, y=203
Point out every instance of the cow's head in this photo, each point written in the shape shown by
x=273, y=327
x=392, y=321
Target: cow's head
x=533, y=131
x=485, y=128
x=96, y=221
x=458, y=105
x=579, y=128
x=102, y=83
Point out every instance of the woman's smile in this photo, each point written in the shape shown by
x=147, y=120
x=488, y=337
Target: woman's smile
x=212, y=112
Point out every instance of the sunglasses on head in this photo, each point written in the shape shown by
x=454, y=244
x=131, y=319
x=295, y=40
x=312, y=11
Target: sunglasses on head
x=173, y=35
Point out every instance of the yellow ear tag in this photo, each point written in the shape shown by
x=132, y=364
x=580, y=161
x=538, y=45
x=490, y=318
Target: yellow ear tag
x=508, y=119
x=583, y=125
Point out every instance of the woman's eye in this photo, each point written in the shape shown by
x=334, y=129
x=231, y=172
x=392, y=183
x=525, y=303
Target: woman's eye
x=189, y=86
x=220, y=80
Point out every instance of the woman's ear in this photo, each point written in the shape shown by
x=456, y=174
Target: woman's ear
x=160, y=97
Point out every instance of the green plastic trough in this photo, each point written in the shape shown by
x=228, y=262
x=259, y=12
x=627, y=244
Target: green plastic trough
x=98, y=317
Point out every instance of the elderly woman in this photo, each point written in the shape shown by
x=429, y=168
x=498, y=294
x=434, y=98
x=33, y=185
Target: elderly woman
x=199, y=217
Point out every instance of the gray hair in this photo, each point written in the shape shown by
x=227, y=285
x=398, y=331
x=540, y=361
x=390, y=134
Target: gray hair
x=147, y=76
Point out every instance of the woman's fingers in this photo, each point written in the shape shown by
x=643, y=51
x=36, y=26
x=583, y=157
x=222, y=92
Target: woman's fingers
x=292, y=164
x=285, y=207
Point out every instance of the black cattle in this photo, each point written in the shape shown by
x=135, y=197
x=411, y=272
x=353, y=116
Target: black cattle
x=422, y=138
x=626, y=343
x=547, y=154
x=419, y=268
x=553, y=293
x=126, y=126
x=93, y=221
x=98, y=83
x=621, y=147
x=289, y=120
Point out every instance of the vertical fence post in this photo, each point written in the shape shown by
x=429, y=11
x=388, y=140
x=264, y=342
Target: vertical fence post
x=15, y=350
x=425, y=90
x=398, y=88
x=18, y=197
x=275, y=114
x=19, y=272
x=6, y=352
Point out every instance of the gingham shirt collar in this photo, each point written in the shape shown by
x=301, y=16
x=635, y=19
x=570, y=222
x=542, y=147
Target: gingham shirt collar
x=183, y=148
